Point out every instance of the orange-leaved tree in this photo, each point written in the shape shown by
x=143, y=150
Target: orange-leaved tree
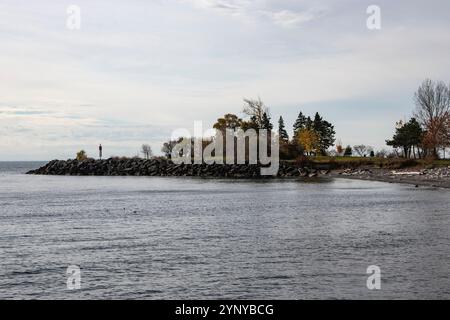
x=309, y=140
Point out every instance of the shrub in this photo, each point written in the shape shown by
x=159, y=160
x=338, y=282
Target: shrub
x=81, y=155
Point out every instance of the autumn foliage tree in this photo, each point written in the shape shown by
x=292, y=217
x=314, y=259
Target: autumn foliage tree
x=228, y=121
x=433, y=113
x=324, y=131
x=312, y=136
x=309, y=140
x=81, y=155
x=339, y=148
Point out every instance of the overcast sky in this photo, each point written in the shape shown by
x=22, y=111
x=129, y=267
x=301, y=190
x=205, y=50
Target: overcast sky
x=136, y=70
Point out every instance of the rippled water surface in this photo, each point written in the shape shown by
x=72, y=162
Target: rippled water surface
x=160, y=238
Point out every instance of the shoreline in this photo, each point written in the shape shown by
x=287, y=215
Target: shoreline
x=424, y=179
x=417, y=176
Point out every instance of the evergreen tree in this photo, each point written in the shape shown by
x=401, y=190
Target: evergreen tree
x=325, y=132
x=323, y=129
x=309, y=123
x=265, y=122
x=250, y=124
x=317, y=123
x=300, y=123
x=327, y=137
x=348, y=151
x=284, y=138
x=407, y=136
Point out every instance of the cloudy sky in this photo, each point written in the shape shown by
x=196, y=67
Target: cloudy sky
x=136, y=70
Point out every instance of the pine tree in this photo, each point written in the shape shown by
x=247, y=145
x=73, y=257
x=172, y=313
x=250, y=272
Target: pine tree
x=317, y=123
x=348, y=151
x=325, y=132
x=300, y=123
x=309, y=123
x=265, y=122
x=250, y=124
x=408, y=136
x=284, y=138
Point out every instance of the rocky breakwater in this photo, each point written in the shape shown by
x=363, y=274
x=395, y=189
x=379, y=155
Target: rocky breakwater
x=162, y=167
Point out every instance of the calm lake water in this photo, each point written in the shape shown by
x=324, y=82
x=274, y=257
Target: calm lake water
x=177, y=238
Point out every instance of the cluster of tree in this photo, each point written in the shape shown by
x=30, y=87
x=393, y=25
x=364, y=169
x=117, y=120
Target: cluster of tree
x=363, y=150
x=257, y=112
x=258, y=118
x=310, y=136
x=316, y=135
x=408, y=137
x=360, y=150
x=429, y=130
x=341, y=151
